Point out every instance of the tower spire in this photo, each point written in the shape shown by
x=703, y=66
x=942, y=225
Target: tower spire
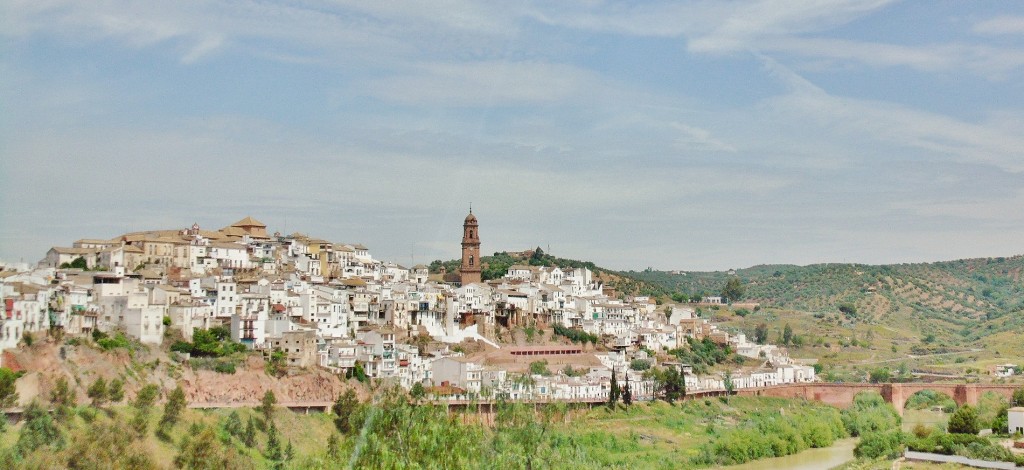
x=470, y=271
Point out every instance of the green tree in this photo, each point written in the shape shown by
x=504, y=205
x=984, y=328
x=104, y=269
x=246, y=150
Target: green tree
x=62, y=398
x=103, y=445
x=277, y=366
x=964, y=421
x=880, y=375
x=39, y=430
x=172, y=411
x=417, y=392
x=8, y=389
x=267, y=405
x=79, y=263
x=1000, y=423
x=613, y=391
x=539, y=368
x=671, y=383
x=202, y=450
x=761, y=333
x=233, y=425
x=1018, y=397
x=733, y=290
x=333, y=447
x=869, y=413
x=289, y=451
x=346, y=410
x=143, y=405
x=175, y=405
x=250, y=434
x=888, y=444
x=115, y=391
x=273, y=444
x=727, y=382
x=98, y=392
x=787, y=334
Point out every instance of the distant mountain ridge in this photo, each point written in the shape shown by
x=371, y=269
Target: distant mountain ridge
x=952, y=295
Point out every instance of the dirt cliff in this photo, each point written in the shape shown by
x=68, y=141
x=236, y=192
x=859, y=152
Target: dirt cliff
x=81, y=363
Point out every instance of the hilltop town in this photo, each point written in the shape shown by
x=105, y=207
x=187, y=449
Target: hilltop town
x=538, y=332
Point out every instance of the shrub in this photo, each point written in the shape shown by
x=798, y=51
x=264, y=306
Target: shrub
x=639, y=364
x=224, y=367
x=922, y=431
x=964, y=421
x=539, y=368
x=574, y=335
x=888, y=444
x=118, y=341
x=772, y=434
x=869, y=414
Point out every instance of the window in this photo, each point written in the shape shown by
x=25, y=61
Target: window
x=470, y=260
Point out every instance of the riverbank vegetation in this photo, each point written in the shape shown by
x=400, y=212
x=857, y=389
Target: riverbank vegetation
x=396, y=430
x=882, y=439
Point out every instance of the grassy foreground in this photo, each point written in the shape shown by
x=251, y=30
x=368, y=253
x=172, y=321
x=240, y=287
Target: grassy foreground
x=704, y=433
x=395, y=434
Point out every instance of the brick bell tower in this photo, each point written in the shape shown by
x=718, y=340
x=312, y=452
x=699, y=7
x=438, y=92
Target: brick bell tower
x=470, y=270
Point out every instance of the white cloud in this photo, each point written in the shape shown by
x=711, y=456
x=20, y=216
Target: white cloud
x=204, y=47
x=895, y=125
x=1001, y=25
x=751, y=23
x=488, y=84
x=695, y=137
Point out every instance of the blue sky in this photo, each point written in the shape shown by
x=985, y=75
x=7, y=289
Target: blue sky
x=676, y=135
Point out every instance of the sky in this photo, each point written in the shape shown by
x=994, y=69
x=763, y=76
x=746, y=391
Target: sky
x=673, y=135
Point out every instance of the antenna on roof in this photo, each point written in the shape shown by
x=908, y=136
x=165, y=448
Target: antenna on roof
x=470, y=207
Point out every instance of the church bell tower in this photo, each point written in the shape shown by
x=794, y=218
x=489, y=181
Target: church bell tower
x=470, y=270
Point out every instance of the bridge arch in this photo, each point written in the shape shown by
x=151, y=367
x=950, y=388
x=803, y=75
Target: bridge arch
x=842, y=395
x=930, y=398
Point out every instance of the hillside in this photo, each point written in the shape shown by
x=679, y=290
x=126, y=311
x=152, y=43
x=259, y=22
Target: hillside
x=950, y=296
x=496, y=265
x=954, y=317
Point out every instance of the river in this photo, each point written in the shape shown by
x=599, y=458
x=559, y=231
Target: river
x=840, y=452
x=810, y=459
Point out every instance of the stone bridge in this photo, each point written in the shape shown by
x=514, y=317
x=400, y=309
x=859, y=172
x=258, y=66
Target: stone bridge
x=841, y=395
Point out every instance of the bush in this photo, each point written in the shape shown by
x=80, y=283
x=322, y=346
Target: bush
x=870, y=414
x=576, y=336
x=772, y=434
x=888, y=444
x=539, y=368
x=118, y=341
x=221, y=365
x=639, y=365
x=964, y=421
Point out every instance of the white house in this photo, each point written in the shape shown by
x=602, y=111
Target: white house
x=1016, y=419
x=459, y=372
